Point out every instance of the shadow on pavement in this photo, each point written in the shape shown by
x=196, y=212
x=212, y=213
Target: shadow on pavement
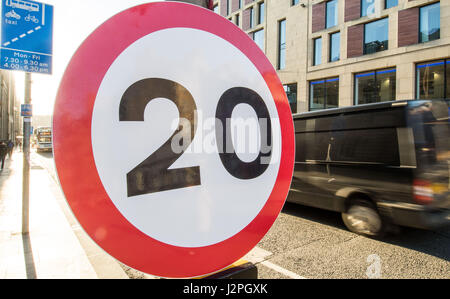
x=45, y=154
x=435, y=243
x=28, y=255
x=325, y=217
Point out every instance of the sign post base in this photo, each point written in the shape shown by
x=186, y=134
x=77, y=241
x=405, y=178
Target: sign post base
x=241, y=269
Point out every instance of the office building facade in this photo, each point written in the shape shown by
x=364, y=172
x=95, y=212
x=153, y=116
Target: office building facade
x=9, y=107
x=339, y=53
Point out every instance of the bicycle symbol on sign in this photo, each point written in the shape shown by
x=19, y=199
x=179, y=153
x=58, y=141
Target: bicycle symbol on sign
x=29, y=18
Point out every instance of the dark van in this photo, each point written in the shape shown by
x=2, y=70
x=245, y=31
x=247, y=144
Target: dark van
x=380, y=165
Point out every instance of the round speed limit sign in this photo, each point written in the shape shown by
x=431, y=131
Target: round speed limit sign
x=173, y=140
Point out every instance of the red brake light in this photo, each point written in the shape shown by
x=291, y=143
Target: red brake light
x=423, y=191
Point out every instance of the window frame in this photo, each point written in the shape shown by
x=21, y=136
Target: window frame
x=296, y=95
x=420, y=23
x=253, y=38
x=446, y=62
x=326, y=13
x=361, y=8
x=364, y=35
x=376, y=71
x=386, y=2
x=330, y=44
x=281, y=66
x=252, y=17
x=325, y=80
x=315, y=52
x=259, y=21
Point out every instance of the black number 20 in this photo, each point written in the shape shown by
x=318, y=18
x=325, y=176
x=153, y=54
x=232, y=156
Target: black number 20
x=152, y=174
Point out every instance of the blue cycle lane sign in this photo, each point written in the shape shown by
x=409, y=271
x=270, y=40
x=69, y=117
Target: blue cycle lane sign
x=26, y=36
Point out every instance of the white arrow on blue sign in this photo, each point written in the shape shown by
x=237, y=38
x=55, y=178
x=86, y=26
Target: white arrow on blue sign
x=26, y=36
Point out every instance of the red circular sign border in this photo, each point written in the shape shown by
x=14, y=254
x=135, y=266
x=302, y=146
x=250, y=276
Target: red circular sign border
x=75, y=163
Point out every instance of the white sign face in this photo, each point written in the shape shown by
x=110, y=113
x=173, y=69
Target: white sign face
x=172, y=134
x=220, y=204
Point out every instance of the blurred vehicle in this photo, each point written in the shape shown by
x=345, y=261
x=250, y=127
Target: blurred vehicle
x=380, y=165
x=43, y=141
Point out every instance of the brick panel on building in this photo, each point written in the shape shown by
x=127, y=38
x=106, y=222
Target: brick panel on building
x=234, y=5
x=408, y=27
x=355, y=35
x=223, y=7
x=246, y=19
x=352, y=10
x=318, y=16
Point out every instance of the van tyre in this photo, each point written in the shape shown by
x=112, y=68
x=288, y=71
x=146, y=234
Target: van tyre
x=363, y=218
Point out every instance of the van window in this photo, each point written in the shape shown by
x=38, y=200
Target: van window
x=431, y=128
x=370, y=146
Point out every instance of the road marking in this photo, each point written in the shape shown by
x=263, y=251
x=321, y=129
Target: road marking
x=282, y=270
x=258, y=256
x=22, y=35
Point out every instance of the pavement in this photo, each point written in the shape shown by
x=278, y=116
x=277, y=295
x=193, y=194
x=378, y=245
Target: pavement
x=55, y=247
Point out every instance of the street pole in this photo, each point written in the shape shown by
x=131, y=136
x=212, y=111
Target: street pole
x=26, y=159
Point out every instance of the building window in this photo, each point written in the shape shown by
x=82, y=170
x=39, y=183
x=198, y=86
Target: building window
x=429, y=24
x=295, y=2
x=252, y=19
x=216, y=9
x=390, y=3
x=433, y=80
x=228, y=6
x=367, y=7
x=317, y=59
x=240, y=3
x=261, y=13
x=237, y=20
x=331, y=13
x=375, y=86
x=291, y=93
x=335, y=46
x=258, y=37
x=281, y=44
x=376, y=36
x=324, y=94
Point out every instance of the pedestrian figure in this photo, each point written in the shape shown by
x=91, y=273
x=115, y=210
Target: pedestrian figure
x=10, y=148
x=19, y=144
x=3, y=152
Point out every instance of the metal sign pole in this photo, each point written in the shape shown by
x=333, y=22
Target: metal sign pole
x=26, y=159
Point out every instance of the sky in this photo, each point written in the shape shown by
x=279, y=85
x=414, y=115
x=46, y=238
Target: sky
x=73, y=21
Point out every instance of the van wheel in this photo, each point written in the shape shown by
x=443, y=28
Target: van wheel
x=362, y=218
